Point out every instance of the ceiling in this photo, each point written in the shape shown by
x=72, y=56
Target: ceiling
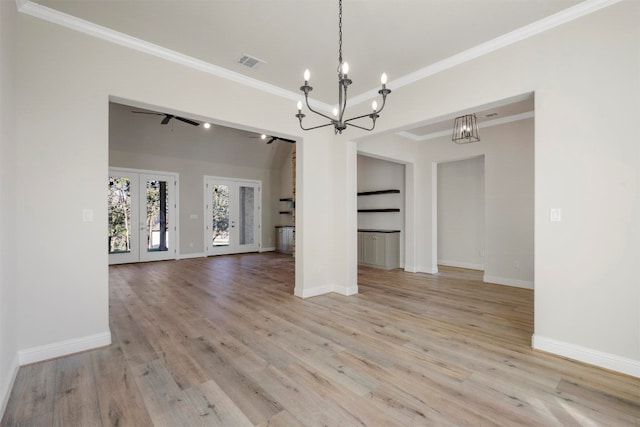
x=398, y=37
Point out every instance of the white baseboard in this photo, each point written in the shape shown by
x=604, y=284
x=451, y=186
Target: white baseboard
x=430, y=270
x=63, y=348
x=467, y=265
x=187, y=256
x=5, y=390
x=326, y=289
x=410, y=269
x=269, y=249
x=313, y=292
x=508, y=281
x=587, y=355
x=346, y=290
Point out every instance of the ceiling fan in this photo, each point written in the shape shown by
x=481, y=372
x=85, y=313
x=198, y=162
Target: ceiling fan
x=168, y=117
x=274, y=138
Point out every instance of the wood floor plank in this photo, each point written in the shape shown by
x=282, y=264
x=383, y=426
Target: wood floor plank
x=215, y=407
x=120, y=401
x=165, y=401
x=76, y=397
x=223, y=341
x=32, y=398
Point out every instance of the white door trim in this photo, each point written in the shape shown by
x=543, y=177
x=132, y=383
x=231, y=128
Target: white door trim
x=208, y=251
x=174, y=247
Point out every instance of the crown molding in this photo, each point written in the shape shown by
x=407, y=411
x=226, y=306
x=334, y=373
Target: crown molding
x=482, y=125
x=567, y=15
x=51, y=15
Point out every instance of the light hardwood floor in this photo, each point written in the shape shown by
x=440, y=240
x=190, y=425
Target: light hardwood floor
x=222, y=341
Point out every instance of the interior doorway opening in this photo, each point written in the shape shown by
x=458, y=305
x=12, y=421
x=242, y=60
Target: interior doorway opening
x=460, y=212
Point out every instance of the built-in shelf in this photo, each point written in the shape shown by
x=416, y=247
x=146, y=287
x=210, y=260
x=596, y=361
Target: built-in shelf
x=289, y=205
x=378, y=210
x=373, y=193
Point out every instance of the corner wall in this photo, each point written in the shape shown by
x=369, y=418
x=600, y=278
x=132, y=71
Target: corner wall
x=8, y=282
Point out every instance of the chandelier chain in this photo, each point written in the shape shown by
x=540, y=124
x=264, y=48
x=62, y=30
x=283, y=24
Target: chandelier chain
x=340, y=38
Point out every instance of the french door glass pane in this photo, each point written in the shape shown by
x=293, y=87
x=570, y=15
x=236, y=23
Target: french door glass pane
x=246, y=217
x=157, y=218
x=119, y=211
x=220, y=213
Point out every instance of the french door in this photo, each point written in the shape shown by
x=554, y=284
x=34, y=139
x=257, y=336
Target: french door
x=232, y=216
x=142, y=216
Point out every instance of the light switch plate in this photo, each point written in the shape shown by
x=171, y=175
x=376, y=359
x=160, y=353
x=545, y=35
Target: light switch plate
x=87, y=215
x=555, y=214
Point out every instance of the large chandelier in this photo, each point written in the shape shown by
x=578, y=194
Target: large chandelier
x=338, y=121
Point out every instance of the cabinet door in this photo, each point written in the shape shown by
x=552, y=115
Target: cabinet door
x=289, y=239
x=360, y=247
x=279, y=239
x=380, y=249
x=392, y=250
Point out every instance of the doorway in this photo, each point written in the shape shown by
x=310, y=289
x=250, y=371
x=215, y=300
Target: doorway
x=142, y=216
x=232, y=216
x=460, y=200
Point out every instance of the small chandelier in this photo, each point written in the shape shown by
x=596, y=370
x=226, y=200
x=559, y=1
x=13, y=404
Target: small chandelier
x=465, y=129
x=338, y=121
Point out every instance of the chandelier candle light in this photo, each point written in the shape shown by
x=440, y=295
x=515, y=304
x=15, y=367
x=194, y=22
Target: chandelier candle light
x=338, y=121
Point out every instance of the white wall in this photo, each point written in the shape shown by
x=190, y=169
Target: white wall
x=8, y=282
x=460, y=202
x=587, y=301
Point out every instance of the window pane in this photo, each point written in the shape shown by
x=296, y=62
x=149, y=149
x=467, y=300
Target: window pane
x=157, y=218
x=246, y=217
x=119, y=210
x=220, y=220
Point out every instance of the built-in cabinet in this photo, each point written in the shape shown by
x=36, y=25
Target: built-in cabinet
x=285, y=239
x=379, y=248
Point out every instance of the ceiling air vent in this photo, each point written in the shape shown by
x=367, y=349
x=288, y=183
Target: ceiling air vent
x=251, y=61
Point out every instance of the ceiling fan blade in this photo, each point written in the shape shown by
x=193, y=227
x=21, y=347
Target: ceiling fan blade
x=191, y=122
x=273, y=138
x=287, y=140
x=148, y=112
x=166, y=119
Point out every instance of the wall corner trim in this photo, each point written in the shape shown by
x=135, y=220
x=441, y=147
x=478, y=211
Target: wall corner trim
x=5, y=390
x=587, y=355
x=63, y=348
